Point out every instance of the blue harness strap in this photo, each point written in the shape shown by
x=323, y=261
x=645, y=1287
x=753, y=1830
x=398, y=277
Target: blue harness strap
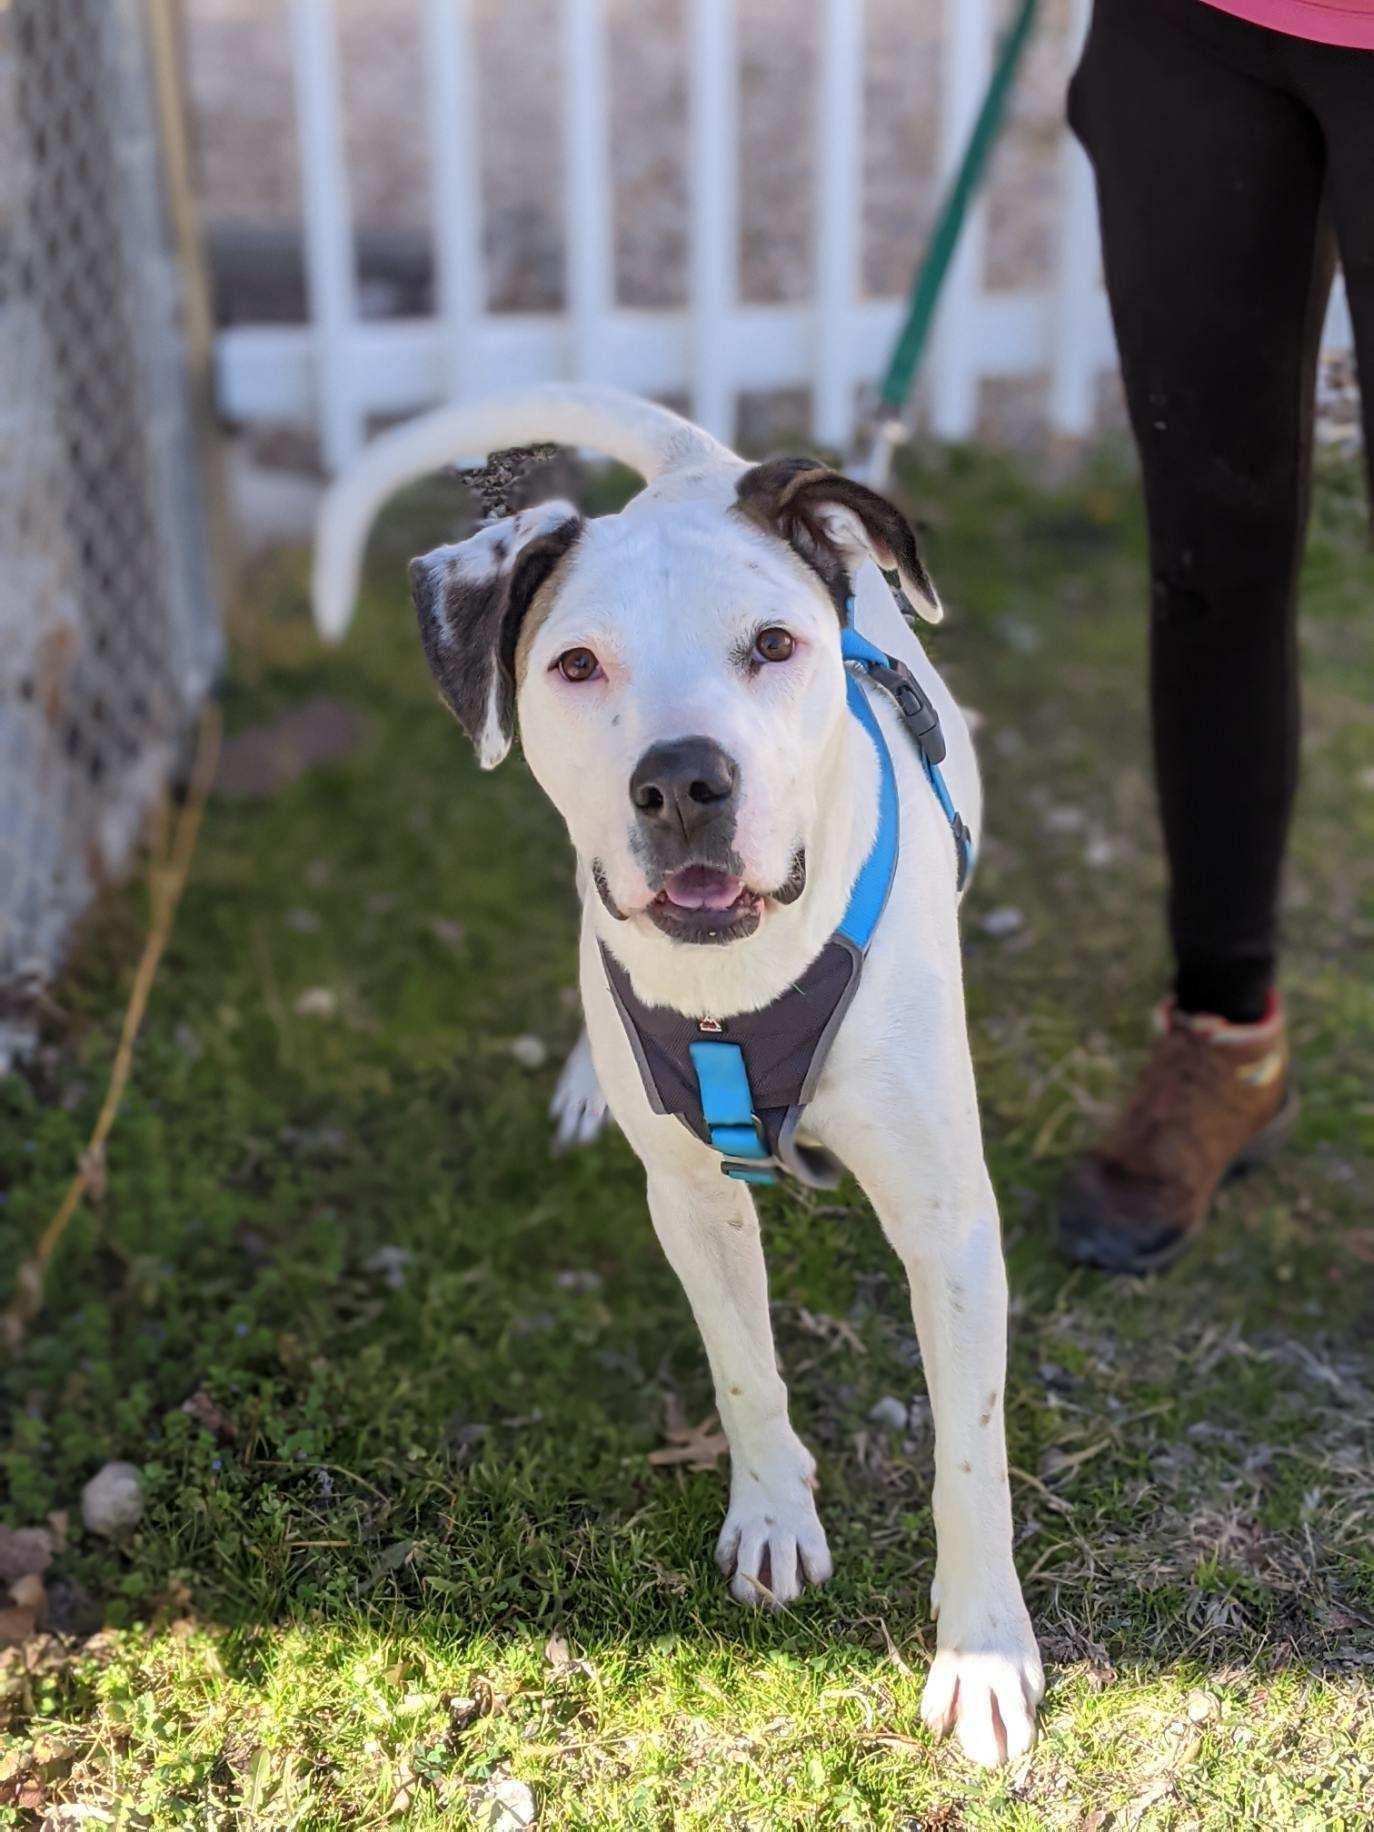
x=757, y=1142
x=727, y=1103
x=869, y=895
x=922, y=723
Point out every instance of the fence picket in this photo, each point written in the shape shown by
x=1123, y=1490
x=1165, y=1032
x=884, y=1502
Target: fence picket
x=714, y=252
x=1077, y=296
x=954, y=355
x=839, y=216
x=327, y=219
x=588, y=200
x=455, y=185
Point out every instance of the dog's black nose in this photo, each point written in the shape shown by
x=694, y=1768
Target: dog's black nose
x=682, y=785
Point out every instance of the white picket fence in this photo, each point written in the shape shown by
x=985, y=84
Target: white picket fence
x=338, y=370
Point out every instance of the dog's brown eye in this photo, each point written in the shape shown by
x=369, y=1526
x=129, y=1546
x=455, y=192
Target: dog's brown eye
x=774, y=644
x=577, y=665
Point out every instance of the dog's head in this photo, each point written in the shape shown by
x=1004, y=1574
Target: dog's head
x=676, y=674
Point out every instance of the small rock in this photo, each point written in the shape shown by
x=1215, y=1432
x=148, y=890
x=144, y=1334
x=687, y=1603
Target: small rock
x=317, y=1002
x=1202, y=1707
x=1064, y=818
x=451, y=934
x=188, y=1042
x=304, y=922
x=505, y=1805
x=24, y=1551
x=889, y=1411
x=530, y=1052
x=1023, y=637
x=72, y=1610
x=112, y=1501
x=578, y=1278
x=391, y=1264
x=1004, y=921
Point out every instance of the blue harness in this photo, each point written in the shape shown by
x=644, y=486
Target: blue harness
x=742, y=1083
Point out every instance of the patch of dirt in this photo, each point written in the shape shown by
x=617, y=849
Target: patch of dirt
x=258, y=763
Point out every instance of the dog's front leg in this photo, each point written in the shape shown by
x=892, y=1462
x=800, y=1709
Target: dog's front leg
x=938, y=1210
x=772, y=1538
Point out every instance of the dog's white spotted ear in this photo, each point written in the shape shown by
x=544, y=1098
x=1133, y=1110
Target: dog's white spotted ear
x=835, y=524
x=471, y=599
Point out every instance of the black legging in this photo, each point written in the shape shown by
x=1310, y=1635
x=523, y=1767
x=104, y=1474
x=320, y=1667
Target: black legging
x=1225, y=156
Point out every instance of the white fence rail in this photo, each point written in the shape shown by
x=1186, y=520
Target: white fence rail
x=338, y=370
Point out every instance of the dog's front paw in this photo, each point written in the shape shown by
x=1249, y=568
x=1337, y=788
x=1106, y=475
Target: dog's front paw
x=578, y=1107
x=773, y=1542
x=986, y=1679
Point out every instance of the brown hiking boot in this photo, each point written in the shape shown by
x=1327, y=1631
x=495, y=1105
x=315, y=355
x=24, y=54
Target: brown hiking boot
x=1213, y=1097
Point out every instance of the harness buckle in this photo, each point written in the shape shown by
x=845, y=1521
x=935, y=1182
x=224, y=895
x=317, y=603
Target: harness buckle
x=744, y=1170
x=919, y=716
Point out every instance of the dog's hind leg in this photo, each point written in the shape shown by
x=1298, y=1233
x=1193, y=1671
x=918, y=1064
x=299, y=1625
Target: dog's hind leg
x=927, y=1179
x=578, y=1107
x=772, y=1539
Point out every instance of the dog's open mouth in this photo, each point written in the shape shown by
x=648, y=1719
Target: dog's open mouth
x=702, y=903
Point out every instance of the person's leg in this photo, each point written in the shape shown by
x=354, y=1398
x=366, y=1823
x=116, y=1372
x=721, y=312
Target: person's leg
x=1209, y=176
x=1338, y=86
x=1210, y=173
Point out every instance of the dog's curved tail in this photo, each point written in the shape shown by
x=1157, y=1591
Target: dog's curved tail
x=648, y=438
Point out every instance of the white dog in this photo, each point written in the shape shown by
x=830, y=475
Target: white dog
x=682, y=699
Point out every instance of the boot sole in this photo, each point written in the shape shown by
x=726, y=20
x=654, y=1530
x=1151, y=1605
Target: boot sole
x=1257, y=1150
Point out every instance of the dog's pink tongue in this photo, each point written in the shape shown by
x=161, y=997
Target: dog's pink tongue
x=702, y=887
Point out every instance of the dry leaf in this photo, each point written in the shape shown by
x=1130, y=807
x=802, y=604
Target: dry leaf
x=556, y=1653
x=27, y=1593
x=830, y=1329
x=205, y=1412
x=692, y=1446
x=16, y=1625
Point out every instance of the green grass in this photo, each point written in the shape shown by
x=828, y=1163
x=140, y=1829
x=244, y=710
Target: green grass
x=424, y=1551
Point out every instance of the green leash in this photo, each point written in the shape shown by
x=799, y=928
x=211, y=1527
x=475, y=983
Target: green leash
x=889, y=429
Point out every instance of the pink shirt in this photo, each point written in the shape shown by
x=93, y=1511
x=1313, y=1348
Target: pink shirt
x=1330, y=22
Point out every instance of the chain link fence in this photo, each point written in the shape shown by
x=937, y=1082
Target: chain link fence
x=108, y=638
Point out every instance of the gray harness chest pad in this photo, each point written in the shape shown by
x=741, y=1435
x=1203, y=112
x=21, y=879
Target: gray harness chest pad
x=786, y=1044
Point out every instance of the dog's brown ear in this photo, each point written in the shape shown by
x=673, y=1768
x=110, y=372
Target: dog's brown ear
x=835, y=524
x=471, y=599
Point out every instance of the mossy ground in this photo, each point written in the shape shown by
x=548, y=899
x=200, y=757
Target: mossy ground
x=412, y=1544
